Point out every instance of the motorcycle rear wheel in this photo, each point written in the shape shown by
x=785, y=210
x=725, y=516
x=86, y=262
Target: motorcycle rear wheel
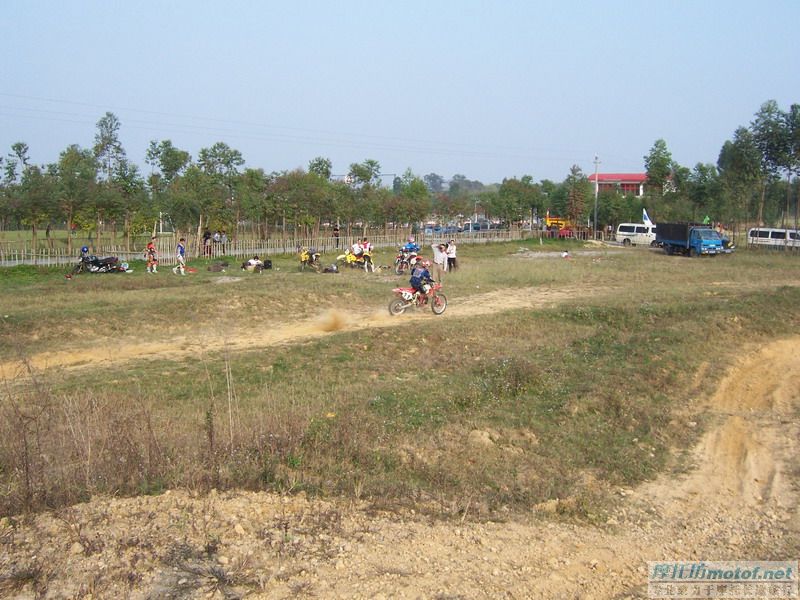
x=397, y=306
x=438, y=303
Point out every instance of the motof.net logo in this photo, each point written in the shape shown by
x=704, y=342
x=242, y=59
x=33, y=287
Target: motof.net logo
x=724, y=571
x=723, y=579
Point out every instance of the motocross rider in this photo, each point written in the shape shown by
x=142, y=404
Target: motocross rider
x=411, y=246
x=421, y=279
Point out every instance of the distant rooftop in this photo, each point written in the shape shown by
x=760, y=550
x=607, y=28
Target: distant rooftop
x=619, y=177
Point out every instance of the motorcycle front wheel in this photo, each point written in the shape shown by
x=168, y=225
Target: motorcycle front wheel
x=438, y=303
x=397, y=306
x=399, y=268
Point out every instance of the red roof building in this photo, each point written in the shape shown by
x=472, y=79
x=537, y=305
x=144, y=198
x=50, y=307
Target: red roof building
x=624, y=183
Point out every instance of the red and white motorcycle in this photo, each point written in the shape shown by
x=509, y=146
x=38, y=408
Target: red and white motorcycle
x=408, y=297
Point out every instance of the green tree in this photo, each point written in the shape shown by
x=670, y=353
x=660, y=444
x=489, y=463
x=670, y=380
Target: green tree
x=460, y=185
x=793, y=158
x=578, y=189
x=321, y=167
x=773, y=139
x=658, y=165
x=520, y=198
x=107, y=147
x=434, y=182
x=221, y=163
x=170, y=161
x=37, y=193
x=129, y=200
x=614, y=208
x=411, y=201
x=367, y=173
x=77, y=177
x=739, y=166
x=196, y=198
x=703, y=190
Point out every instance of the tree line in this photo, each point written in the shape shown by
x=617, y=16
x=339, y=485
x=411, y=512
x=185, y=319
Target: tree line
x=99, y=190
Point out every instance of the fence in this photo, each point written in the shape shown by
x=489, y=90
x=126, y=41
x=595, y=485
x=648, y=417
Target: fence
x=18, y=253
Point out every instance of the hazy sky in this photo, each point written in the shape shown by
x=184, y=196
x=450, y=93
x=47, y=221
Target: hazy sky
x=483, y=89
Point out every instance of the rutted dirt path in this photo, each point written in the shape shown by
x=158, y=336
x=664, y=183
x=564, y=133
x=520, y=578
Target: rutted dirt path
x=236, y=339
x=248, y=338
x=738, y=501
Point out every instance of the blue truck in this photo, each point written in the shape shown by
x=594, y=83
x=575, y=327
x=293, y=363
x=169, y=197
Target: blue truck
x=692, y=239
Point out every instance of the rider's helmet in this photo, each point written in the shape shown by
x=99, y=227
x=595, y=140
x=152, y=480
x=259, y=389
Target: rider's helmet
x=84, y=248
x=411, y=239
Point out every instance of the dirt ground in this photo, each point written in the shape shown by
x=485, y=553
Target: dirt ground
x=193, y=343
x=737, y=501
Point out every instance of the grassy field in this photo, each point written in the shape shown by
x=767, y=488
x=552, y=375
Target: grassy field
x=546, y=378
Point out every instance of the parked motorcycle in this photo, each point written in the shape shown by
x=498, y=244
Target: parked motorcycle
x=357, y=261
x=92, y=264
x=310, y=259
x=408, y=297
x=403, y=261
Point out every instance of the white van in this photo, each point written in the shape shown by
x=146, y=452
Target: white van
x=636, y=234
x=775, y=238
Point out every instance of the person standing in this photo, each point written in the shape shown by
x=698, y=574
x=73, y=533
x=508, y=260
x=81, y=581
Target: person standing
x=180, y=255
x=151, y=255
x=451, y=255
x=439, y=262
x=336, y=236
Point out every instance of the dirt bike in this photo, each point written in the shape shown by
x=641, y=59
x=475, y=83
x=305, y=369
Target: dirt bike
x=357, y=261
x=92, y=264
x=402, y=261
x=310, y=259
x=257, y=267
x=408, y=297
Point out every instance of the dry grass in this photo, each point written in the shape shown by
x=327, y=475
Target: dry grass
x=461, y=415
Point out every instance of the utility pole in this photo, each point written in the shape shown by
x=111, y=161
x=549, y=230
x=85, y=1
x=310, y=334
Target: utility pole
x=596, y=191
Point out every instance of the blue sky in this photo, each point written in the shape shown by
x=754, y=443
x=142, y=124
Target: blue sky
x=484, y=89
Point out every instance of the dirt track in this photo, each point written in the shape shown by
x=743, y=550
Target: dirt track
x=738, y=501
x=246, y=338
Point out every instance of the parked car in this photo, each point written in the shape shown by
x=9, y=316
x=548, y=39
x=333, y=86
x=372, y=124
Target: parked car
x=636, y=234
x=565, y=232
